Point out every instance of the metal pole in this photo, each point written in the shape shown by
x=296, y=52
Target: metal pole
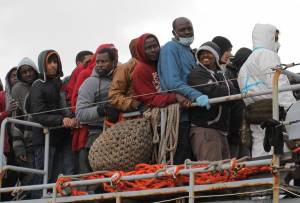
x=46, y=159
x=118, y=199
x=191, y=187
x=295, y=76
x=27, y=188
x=161, y=174
x=2, y=134
x=275, y=160
x=166, y=191
x=251, y=94
x=54, y=194
x=23, y=169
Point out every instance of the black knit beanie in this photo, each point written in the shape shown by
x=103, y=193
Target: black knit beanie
x=223, y=43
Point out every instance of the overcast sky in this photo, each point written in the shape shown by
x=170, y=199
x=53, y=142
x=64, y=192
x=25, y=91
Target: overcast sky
x=28, y=27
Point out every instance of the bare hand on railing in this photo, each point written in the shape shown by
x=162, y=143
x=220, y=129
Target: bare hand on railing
x=12, y=106
x=22, y=157
x=69, y=122
x=76, y=123
x=183, y=101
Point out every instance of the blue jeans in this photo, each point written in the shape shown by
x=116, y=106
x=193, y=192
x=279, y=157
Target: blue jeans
x=60, y=162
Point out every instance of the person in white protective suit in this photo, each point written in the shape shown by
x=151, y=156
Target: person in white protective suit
x=256, y=75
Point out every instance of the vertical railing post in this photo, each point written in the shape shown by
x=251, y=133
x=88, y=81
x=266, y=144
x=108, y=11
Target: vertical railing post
x=2, y=134
x=191, y=186
x=276, y=158
x=118, y=199
x=46, y=159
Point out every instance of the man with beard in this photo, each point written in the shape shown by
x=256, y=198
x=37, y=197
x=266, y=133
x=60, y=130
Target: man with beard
x=89, y=107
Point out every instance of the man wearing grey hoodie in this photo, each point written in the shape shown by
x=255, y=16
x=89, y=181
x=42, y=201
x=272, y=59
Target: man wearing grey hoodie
x=92, y=105
x=26, y=73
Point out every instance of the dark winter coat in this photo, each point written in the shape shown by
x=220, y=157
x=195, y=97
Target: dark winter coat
x=45, y=97
x=212, y=84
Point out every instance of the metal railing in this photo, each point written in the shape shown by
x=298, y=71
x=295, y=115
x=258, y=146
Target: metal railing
x=190, y=189
x=43, y=172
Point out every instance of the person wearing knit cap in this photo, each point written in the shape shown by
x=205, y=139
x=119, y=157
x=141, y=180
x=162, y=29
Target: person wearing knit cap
x=120, y=92
x=233, y=69
x=210, y=125
x=237, y=148
x=225, y=49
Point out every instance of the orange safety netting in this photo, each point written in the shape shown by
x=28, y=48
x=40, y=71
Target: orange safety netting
x=172, y=177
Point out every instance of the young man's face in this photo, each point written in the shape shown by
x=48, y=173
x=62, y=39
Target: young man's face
x=152, y=49
x=226, y=56
x=52, y=66
x=86, y=60
x=13, y=77
x=183, y=28
x=207, y=59
x=104, y=64
x=27, y=74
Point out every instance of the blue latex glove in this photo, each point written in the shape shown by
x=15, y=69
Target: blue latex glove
x=203, y=101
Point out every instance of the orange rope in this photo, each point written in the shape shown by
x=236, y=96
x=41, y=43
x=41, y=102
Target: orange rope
x=172, y=177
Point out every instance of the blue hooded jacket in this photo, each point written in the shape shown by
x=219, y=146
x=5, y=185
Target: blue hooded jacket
x=175, y=63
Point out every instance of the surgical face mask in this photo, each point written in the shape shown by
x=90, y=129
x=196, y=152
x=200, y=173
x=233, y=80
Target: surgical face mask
x=186, y=41
x=277, y=46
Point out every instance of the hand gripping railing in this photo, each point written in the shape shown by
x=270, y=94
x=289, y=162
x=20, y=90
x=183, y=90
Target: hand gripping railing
x=43, y=172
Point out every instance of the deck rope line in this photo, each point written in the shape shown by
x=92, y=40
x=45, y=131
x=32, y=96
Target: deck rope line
x=130, y=97
x=165, y=126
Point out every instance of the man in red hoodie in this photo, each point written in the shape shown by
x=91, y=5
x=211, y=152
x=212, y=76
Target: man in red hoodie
x=82, y=60
x=145, y=78
x=7, y=107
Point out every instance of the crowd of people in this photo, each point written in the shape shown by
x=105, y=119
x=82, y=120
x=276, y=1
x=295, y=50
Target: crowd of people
x=100, y=89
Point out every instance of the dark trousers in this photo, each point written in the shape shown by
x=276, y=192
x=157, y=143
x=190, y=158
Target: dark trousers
x=184, y=149
x=60, y=162
x=238, y=150
x=27, y=178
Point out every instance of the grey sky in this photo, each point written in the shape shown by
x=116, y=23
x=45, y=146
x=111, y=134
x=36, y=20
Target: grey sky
x=28, y=27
